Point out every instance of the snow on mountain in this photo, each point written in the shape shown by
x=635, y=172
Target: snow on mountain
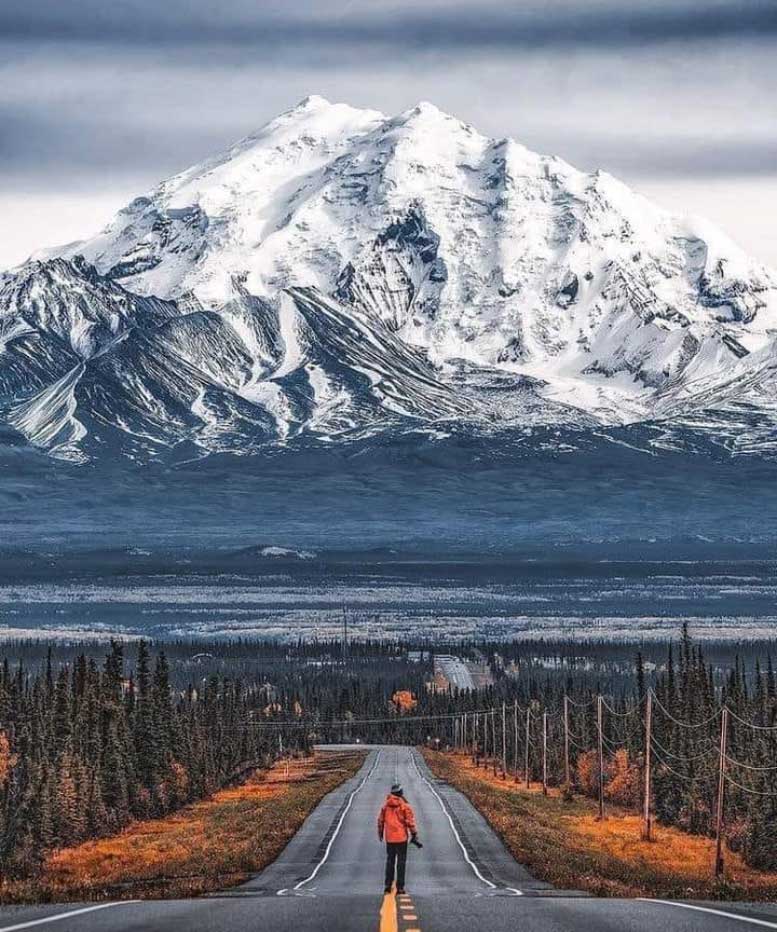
x=340, y=271
x=233, y=380
x=70, y=301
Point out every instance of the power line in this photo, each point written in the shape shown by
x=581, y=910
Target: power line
x=680, y=776
x=752, y=724
x=582, y=705
x=682, y=724
x=683, y=757
x=747, y=789
x=626, y=714
x=339, y=723
x=738, y=763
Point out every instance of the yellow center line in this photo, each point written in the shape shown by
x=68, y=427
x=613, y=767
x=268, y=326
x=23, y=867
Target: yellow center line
x=388, y=914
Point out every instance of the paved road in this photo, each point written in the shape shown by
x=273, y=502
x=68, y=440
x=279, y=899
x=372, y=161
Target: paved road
x=329, y=879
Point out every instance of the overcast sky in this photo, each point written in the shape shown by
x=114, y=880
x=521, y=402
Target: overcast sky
x=100, y=100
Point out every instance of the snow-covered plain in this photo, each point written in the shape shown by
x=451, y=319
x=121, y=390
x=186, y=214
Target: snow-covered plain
x=615, y=602
x=341, y=274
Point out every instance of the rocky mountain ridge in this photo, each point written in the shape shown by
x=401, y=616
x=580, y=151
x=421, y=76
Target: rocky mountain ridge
x=342, y=274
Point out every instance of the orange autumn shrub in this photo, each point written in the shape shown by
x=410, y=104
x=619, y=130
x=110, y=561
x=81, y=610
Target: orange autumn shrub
x=7, y=759
x=403, y=701
x=588, y=773
x=623, y=780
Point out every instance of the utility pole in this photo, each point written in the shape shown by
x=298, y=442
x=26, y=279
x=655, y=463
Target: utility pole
x=600, y=729
x=493, y=738
x=526, y=749
x=544, y=753
x=345, y=635
x=647, y=826
x=475, y=759
x=567, y=774
x=515, y=716
x=504, y=741
x=721, y=794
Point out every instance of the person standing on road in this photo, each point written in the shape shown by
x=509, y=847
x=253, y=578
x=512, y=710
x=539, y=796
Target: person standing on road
x=396, y=824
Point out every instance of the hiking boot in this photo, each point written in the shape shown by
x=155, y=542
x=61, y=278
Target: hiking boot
x=400, y=891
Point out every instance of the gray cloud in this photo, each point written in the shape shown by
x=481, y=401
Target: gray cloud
x=473, y=25
x=118, y=95
x=74, y=143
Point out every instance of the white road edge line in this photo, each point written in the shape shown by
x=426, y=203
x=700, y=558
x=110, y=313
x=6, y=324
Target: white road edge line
x=456, y=835
x=58, y=916
x=706, y=909
x=336, y=832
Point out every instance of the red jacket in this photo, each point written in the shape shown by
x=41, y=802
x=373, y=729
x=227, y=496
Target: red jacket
x=396, y=820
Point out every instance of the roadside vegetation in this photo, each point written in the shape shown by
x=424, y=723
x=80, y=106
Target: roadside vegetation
x=560, y=840
x=207, y=846
x=92, y=745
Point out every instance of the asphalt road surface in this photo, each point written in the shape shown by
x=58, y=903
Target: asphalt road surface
x=330, y=879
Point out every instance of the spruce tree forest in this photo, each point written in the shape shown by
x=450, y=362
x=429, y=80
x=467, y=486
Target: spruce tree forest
x=93, y=737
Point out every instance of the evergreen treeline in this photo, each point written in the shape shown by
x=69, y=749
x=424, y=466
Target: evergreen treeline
x=87, y=745
x=86, y=748
x=688, y=700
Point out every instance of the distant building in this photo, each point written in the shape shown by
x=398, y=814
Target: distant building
x=456, y=673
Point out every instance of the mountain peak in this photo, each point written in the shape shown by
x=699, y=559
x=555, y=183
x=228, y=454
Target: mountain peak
x=312, y=103
x=313, y=100
x=316, y=107
x=424, y=111
x=563, y=290
x=425, y=108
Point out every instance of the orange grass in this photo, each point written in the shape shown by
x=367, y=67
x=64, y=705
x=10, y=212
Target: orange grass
x=205, y=846
x=564, y=843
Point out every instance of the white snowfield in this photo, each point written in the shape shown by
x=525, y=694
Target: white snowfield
x=343, y=272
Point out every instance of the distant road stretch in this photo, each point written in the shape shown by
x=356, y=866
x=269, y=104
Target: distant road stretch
x=330, y=879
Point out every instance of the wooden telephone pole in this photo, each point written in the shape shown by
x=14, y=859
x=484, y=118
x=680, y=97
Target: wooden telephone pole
x=567, y=773
x=526, y=750
x=600, y=729
x=544, y=753
x=647, y=822
x=504, y=741
x=721, y=794
x=493, y=739
x=515, y=716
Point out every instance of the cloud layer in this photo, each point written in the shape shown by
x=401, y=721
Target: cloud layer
x=115, y=96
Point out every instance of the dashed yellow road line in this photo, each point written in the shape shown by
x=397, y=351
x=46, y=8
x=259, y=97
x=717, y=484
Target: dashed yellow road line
x=395, y=911
x=388, y=914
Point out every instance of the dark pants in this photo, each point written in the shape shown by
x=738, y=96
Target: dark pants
x=396, y=853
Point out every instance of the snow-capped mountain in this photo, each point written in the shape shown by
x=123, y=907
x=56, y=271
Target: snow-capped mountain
x=342, y=273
